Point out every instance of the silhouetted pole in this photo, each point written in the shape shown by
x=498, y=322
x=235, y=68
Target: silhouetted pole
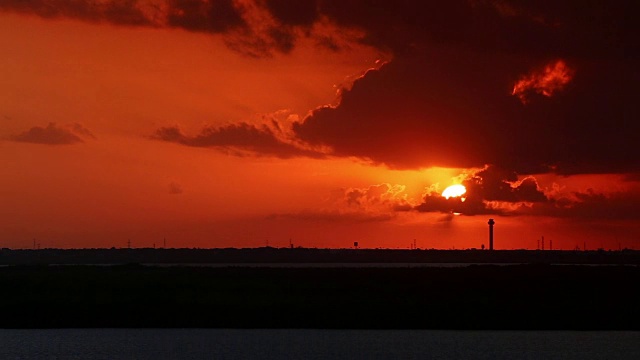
x=491, y=222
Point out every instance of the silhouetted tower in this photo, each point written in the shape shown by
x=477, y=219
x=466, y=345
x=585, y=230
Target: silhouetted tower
x=491, y=223
x=129, y=243
x=543, y=243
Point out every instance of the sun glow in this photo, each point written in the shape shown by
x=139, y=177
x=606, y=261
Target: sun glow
x=454, y=191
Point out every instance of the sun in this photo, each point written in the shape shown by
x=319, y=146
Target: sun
x=454, y=191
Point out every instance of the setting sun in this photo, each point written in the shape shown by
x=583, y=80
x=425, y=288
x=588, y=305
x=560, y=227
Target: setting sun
x=454, y=191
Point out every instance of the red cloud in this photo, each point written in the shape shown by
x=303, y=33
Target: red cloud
x=551, y=79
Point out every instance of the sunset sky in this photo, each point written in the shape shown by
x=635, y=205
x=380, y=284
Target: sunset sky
x=242, y=123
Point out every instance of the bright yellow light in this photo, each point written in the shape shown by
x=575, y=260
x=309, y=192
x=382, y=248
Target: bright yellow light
x=454, y=191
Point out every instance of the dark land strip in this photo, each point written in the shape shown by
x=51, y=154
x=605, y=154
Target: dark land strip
x=510, y=297
x=311, y=255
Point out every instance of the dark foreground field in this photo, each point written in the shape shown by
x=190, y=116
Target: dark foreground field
x=473, y=297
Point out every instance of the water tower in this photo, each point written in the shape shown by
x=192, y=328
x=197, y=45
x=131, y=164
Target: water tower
x=491, y=222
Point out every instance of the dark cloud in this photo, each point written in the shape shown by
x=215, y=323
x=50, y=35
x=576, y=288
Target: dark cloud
x=589, y=205
x=54, y=134
x=303, y=13
x=253, y=28
x=225, y=17
x=205, y=16
x=563, y=28
x=249, y=43
x=586, y=29
x=171, y=134
x=447, y=98
x=237, y=139
x=495, y=184
x=455, y=108
x=418, y=112
x=119, y=12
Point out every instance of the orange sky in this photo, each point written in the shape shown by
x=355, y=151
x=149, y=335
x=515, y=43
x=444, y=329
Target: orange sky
x=234, y=137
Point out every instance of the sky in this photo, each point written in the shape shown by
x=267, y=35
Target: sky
x=318, y=123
